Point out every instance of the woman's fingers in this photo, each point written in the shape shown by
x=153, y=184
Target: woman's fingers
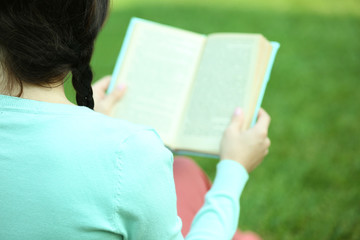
x=263, y=121
x=105, y=103
x=102, y=84
x=247, y=147
x=114, y=97
x=237, y=119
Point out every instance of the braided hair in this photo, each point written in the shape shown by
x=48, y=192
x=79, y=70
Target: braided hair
x=42, y=41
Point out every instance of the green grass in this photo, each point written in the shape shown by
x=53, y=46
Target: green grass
x=308, y=186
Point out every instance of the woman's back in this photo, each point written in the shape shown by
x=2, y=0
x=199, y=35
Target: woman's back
x=67, y=172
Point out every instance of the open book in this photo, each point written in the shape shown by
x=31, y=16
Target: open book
x=187, y=85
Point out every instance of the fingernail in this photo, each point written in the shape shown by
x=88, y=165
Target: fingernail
x=238, y=111
x=121, y=86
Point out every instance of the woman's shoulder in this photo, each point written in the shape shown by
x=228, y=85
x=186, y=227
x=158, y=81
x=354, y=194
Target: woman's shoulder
x=111, y=125
x=120, y=131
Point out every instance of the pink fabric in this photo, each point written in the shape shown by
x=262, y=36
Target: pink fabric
x=191, y=186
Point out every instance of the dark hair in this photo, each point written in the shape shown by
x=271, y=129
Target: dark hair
x=42, y=41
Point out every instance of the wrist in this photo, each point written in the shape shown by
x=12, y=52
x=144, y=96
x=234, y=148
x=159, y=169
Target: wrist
x=242, y=165
x=231, y=177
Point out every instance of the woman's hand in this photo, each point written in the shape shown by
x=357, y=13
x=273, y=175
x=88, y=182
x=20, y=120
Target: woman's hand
x=247, y=147
x=105, y=103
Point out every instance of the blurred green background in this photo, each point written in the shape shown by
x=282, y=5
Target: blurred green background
x=308, y=186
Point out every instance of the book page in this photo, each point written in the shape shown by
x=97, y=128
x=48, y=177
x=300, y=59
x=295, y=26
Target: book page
x=158, y=69
x=223, y=82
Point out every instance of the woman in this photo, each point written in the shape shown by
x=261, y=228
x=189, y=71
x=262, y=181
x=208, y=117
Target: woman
x=68, y=172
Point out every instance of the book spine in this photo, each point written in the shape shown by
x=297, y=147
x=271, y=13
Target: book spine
x=275, y=48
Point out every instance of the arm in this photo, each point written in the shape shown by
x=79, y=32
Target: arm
x=218, y=218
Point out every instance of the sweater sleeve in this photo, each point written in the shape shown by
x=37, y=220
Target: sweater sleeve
x=146, y=196
x=218, y=217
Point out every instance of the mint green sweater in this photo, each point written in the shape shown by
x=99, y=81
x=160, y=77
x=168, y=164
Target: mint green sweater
x=67, y=172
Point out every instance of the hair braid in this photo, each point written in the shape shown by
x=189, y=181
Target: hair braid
x=82, y=75
x=81, y=80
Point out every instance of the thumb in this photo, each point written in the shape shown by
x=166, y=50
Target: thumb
x=113, y=98
x=237, y=119
x=263, y=120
